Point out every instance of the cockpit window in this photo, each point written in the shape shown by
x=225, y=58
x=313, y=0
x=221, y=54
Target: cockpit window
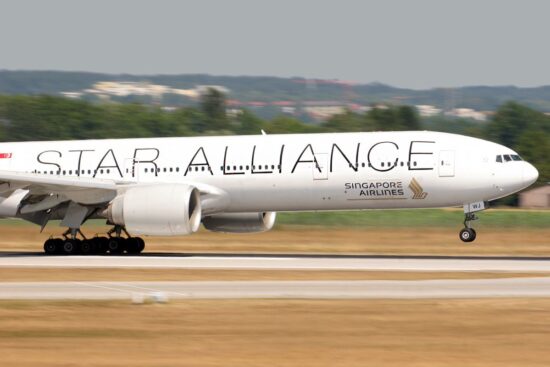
x=508, y=158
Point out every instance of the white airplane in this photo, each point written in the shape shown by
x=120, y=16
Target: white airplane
x=169, y=186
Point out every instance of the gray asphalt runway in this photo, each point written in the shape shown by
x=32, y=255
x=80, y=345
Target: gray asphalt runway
x=370, y=289
x=286, y=262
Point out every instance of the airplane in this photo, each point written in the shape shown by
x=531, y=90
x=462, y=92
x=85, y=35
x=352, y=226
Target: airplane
x=237, y=184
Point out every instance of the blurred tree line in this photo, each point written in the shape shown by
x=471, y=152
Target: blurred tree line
x=24, y=118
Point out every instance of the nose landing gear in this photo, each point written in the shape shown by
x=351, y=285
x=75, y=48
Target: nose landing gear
x=468, y=234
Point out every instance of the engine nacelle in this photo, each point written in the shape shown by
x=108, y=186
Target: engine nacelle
x=157, y=210
x=240, y=222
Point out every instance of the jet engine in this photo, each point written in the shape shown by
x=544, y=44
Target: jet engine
x=240, y=222
x=157, y=210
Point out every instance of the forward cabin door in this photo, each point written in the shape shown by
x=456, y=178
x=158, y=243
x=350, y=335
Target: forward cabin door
x=446, y=163
x=131, y=170
x=320, y=170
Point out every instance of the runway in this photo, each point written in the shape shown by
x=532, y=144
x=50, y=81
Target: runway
x=370, y=289
x=282, y=262
x=319, y=289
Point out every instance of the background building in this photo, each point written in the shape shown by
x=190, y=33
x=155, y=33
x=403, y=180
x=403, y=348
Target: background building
x=535, y=198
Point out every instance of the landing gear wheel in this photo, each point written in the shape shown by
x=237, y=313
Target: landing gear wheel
x=467, y=234
x=52, y=246
x=132, y=245
x=71, y=247
x=141, y=244
x=116, y=245
x=88, y=247
x=102, y=244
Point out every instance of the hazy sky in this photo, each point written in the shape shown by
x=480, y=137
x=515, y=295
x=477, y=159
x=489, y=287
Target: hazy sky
x=416, y=44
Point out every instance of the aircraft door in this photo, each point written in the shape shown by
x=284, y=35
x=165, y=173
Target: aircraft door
x=320, y=170
x=446, y=163
x=131, y=170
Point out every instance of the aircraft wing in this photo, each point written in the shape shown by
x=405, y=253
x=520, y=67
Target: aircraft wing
x=12, y=179
x=41, y=193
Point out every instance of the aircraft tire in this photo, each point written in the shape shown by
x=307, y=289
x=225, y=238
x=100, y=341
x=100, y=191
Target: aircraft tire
x=475, y=235
x=132, y=245
x=116, y=245
x=141, y=244
x=52, y=246
x=71, y=247
x=88, y=247
x=467, y=235
x=102, y=244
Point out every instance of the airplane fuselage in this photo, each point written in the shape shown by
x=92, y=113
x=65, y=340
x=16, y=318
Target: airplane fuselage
x=294, y=172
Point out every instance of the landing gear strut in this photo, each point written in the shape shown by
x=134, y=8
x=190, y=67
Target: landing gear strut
x=114, y=243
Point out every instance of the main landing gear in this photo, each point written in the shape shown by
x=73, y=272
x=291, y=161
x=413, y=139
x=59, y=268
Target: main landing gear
x=113, y=243
x=468, y=234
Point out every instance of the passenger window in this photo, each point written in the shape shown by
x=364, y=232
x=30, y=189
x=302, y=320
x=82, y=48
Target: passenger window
x=499, y=159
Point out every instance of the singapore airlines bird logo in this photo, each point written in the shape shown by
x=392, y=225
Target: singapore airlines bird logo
x=418, y=191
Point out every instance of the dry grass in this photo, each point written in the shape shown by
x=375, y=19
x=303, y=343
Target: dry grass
x=277, y=333
x=431, y=241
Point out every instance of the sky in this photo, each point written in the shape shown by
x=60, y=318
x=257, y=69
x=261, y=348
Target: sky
x=413, y=44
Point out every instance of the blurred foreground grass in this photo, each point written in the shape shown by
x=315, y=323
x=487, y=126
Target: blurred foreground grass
x=246, y=333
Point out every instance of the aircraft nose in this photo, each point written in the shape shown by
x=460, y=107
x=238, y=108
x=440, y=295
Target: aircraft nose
x=530, y=174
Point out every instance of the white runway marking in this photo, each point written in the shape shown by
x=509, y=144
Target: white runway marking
x=368, y=289
x=281, y=263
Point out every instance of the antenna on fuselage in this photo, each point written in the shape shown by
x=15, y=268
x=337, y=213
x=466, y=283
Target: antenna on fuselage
x=263, y=132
